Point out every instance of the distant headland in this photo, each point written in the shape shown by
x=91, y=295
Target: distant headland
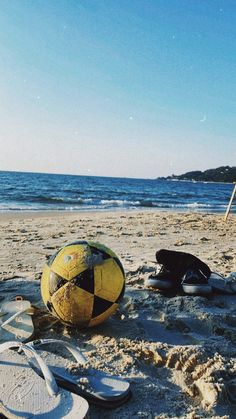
x=220, y=174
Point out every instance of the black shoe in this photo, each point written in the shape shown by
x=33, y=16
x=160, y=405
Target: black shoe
x=163, y=280
x=196, y=282
x=179, y=262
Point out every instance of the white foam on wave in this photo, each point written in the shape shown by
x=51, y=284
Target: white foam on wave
x=118, y=202
x=198, y=205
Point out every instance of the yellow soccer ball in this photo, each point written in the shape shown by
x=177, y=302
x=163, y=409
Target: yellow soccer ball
x=83, y=283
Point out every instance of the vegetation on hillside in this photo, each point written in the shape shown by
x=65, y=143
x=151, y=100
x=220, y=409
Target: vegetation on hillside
x=220, y=174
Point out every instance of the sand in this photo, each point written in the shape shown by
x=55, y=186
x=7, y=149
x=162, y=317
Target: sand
x=178, y=351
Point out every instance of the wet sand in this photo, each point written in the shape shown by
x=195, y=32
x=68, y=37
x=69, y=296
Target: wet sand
x=178, y=351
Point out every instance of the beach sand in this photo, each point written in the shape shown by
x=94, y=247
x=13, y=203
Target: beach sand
x=178, y=351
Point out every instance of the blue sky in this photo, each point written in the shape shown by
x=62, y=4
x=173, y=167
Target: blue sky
x=138, y=88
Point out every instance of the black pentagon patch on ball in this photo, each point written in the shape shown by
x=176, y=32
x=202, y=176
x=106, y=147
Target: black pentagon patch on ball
x=96, y=251
x=85, y=280
x=100, y=306
x=49, y=306
x=55, y=282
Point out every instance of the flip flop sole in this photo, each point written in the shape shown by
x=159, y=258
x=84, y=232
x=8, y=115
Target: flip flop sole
x=227, y=285
x=95, y=385
x=93, y=399
x=19, y=329
x=24, y=394
x=101, y=386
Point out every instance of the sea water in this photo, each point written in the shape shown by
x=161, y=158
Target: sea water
x=48, y=192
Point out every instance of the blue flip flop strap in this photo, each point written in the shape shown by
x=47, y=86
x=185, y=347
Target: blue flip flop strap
x=80, y=358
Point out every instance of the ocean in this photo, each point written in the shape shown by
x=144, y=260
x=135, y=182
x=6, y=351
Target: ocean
x=50, y=192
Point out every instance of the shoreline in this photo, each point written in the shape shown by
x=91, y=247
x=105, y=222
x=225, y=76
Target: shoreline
x=198, y=181
x=64, y=213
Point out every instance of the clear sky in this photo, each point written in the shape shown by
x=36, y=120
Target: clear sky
x=129, y=88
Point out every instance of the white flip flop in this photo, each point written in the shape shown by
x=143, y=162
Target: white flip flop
x=95, y=385
x=16, y=321
x=23, y=394
x=227, y=285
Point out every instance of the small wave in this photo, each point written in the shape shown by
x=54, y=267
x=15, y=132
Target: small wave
x=86, y=200
x=56, y=200
x=198, y=205
x=118, y=202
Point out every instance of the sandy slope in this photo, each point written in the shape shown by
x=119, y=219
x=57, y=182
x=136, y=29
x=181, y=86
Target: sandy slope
x=178, y=351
